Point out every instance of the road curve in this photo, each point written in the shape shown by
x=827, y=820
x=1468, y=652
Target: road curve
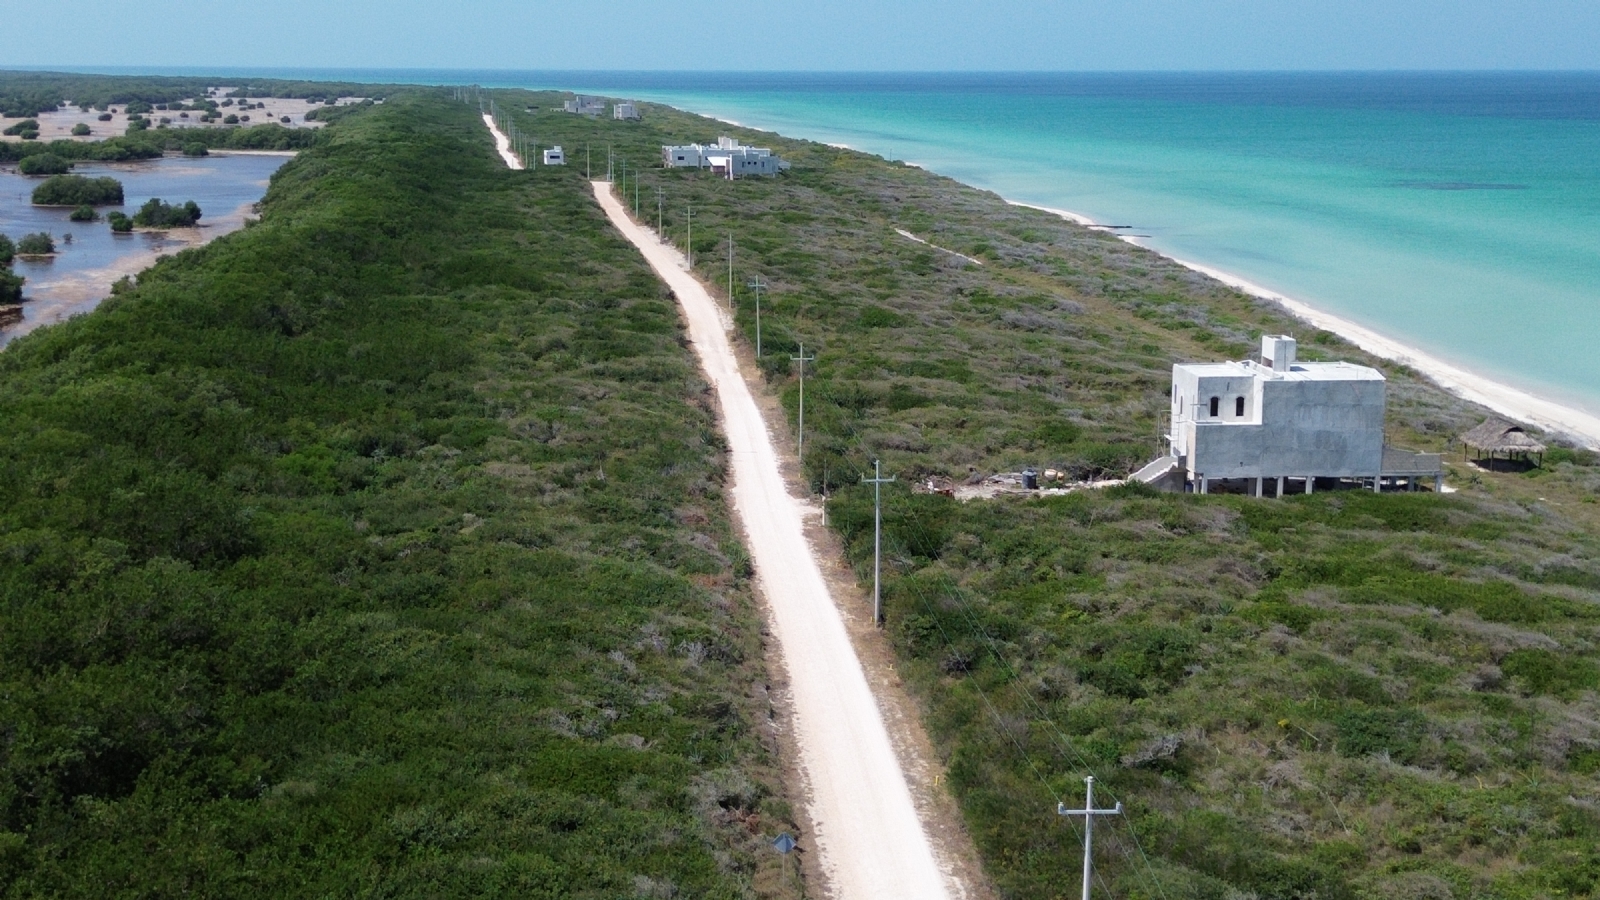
x=871, y=843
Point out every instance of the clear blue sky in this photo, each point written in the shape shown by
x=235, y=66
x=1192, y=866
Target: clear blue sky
x=807, y=34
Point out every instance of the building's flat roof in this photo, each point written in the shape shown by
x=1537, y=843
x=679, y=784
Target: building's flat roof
x=1300, y=371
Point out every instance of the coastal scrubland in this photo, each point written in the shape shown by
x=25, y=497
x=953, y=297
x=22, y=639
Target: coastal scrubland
x=1338, y=696
x=379, y=549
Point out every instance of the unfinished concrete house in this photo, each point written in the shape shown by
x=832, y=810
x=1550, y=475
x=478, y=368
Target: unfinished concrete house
x=1275, y=425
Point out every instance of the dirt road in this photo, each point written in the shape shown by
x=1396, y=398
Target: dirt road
x=871, y=842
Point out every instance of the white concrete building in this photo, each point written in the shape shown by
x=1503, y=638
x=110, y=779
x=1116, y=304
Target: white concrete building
x=727, y=158
x=588, y=106
x=1280, y=421
x=624, y=110
x=554, y=157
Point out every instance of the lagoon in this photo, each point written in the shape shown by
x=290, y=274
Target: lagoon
x=226, y=186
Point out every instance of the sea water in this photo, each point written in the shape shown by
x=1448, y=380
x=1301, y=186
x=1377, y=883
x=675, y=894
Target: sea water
x=1458, y=213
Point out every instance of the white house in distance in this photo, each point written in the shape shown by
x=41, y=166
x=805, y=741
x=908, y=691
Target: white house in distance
x=727, y=158
x=554, y=156
x=588, y=106
x=1278, y=421
x=625, y=110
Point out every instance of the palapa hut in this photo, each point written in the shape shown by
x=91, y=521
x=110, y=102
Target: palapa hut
x=1501, y=440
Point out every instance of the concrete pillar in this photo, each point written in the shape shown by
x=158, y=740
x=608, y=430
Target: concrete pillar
x=1438, y=484
x=1205, y=485
x=1311, y=484
x=1280, y=487
x=1260, y=482
x=1377, y=484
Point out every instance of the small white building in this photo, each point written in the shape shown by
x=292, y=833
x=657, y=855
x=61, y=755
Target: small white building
x=587, y=106
x=727, y=158
x=554, y=157
x=1280, y=420
x=625, y=110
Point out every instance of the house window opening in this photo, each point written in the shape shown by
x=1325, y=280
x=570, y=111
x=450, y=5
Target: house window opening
x=1238, y=406
x=1216, y=406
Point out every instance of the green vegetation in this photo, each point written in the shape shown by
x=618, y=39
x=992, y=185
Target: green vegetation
x=1340, y=696
x=43, y=164
x=81, y=129
x=38, y=244
x=156, y=214
x=379, y=549
x=84, y=213
x=78, y=190
x=120, y=222
x=10, y=282
x=31, y=93
x=195, y=149
x=22, y=127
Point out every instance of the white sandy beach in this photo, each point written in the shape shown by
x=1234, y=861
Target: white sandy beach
x=1504, y=400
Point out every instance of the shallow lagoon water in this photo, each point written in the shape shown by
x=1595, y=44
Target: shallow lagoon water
x=77, y=278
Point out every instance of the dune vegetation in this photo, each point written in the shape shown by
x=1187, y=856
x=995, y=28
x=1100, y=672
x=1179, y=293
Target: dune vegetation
x=379, y=549
x=1341, y=695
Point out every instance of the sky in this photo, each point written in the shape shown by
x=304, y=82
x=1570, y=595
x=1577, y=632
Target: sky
x=827, y=35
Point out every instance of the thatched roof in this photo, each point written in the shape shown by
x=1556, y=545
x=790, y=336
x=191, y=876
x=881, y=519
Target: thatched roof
x=1500, y=436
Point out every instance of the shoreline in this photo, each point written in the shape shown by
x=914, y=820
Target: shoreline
x=1502, y=399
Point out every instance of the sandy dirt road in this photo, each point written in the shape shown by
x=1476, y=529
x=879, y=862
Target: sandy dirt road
x=870, y=839
x=502, y=144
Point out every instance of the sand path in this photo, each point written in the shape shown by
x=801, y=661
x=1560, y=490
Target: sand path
x=871, y=841
x=502, y=144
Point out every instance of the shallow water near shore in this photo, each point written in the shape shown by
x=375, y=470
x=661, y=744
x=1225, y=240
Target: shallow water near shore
x=1458, y=213
x=79, y=276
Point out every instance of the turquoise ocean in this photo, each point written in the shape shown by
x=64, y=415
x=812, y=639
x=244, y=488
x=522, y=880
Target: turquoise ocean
x=1458, y=213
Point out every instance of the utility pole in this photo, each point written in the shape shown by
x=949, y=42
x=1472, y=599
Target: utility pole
x=659, y=231
x=636, y=195
x=1088, y=812
x=588, y=174
x=877, y=481
x=758, y=286
x=730, y=273
x=690, y=241
x=800, y=449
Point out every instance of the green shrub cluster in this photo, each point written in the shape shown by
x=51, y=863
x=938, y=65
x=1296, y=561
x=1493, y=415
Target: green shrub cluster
x=37, y=244
x=10, y=282
x=156, y=214
x=43, y=164
x=78, y=190
x=378, y=549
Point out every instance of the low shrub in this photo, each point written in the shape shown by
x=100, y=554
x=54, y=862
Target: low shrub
x=10, y=287
x=77, y=190
x=23, y=126
x=120, y=223
x=156, y=214
x=195, y=148
x=43, y=164
x=80, y=130
x=8, y=250
x=84, y=213
x=37, y=244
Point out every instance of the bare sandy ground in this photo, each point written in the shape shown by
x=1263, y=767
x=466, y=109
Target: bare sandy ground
x=56, y=125
x=1503, y=399
x=867, y=831
x=502, y=144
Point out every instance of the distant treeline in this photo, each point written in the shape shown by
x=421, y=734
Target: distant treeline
x=155, y=142
x=24, y=94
